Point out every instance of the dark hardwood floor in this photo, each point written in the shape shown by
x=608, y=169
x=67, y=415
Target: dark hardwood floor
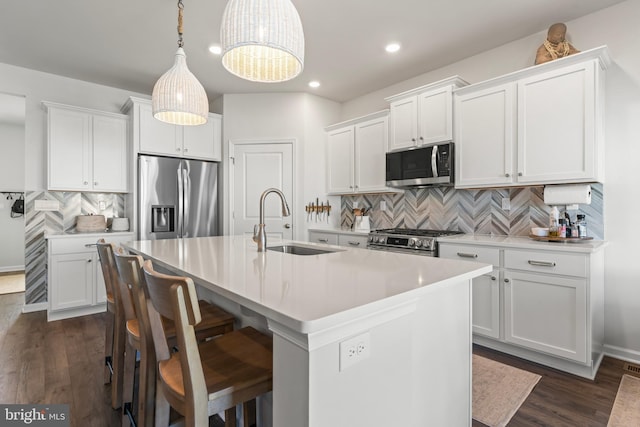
x=62, y=362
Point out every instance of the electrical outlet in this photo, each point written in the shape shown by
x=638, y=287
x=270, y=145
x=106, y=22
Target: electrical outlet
x=506, y=203
x=355, y=204
x=383, y=205
x=354, y=350
x=102, y=205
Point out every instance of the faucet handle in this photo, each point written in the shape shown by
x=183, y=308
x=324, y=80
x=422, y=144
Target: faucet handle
x=255, y=233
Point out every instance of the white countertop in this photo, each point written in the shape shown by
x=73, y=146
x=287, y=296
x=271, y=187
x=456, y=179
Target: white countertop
x=340, y=231
x=305, y=293
x=520, y=242
x=62, y=234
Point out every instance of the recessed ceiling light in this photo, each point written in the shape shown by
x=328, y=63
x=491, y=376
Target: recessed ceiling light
x=215, y=49
x=392, y=47
x=314, y=84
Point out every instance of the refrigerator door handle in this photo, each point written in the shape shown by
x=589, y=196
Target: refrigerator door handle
x=187, y=194
x=180, y=201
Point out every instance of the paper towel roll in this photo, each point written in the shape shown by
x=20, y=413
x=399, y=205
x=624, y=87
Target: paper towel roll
x=567, y=194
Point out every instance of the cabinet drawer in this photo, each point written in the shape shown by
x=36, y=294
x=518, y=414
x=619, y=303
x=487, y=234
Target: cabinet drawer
x=352, y=241
x=471, y=253
x=547, y=262
x=73, y=244
x=327, y=238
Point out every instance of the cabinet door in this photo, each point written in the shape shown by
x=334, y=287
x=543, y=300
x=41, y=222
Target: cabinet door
x=72, y=281
x=203, y=141
x=370, y=148
x=546, y=313
x=403, y=123
x=157, y=137
x=435, y=121
x=486, y=305
x=109, y=154
x=556, y=126
x=70, y=151
x=340, y=145
x=485, y=137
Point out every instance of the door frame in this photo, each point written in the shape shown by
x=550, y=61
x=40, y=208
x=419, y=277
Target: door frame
x=231, y=184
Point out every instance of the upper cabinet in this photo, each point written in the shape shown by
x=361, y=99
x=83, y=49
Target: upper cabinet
x=87, y=150
x=423, y=115
x=151, y=136
x=356, y=155
x=537, y=126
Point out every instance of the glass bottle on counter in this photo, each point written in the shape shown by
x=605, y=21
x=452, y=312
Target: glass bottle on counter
x=553, y=222
x=562, y=228
x=581, y=225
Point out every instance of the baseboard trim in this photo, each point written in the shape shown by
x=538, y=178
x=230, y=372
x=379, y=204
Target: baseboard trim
x=17, y=269
x=31, y=308
x=622, y=353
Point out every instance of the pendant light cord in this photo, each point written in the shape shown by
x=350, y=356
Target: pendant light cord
x=180, y=9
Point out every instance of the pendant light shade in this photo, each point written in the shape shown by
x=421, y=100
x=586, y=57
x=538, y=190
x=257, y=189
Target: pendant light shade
x=262, y=40
x=178, y=97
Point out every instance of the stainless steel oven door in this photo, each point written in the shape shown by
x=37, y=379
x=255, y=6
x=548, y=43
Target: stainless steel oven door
x=401, y=250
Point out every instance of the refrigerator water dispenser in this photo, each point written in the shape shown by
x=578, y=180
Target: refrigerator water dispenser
x=163, y=218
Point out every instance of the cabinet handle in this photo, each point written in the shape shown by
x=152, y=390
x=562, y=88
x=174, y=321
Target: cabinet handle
x=185, y=150
x=493, y=278
x=89, y=245
x=354, y=243
x=95, y=183
x=506, y=280
x=413, y=140
x=507, y=175
x=519, y=173
x=421, y=139
x=465, y=255
x=89, y=260
x=542, y=263
x=177, y=149
x=323, y=240
x=86, y=183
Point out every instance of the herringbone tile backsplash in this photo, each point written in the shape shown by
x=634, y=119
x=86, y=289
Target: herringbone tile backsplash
x=469, y=211
x=39, y=222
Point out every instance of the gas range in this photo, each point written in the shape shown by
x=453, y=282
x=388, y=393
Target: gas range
x=407, y=240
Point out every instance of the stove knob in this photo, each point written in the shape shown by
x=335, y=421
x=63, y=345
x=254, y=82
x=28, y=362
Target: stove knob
x=426, y=243
x=412, y=242
x=418, y=243
x=371, y=238
x=380, y=239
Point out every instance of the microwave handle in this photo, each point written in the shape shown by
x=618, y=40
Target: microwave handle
x=434, y=161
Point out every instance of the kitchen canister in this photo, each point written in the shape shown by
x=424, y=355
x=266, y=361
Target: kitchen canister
x=120, y=224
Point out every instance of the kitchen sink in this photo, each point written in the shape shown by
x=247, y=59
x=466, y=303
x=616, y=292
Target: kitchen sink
x=300, y=250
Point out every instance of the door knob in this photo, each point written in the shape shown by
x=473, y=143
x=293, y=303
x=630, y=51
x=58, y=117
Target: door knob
x=287, y=225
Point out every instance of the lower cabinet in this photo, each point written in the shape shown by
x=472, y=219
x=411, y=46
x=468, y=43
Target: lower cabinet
x=351, y=240
x=542, y=305
x=75, y=282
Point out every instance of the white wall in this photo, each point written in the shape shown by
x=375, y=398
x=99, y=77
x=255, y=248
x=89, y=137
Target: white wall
x=271, y=116
x=617, y=27
x=11, y=179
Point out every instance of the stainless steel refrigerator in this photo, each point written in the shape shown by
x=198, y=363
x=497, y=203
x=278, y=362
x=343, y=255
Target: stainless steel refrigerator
x=177, y=198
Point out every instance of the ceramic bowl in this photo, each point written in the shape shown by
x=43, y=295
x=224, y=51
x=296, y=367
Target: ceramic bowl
x=542, y=232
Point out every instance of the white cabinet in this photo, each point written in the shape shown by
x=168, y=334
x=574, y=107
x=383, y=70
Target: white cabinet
x=151, y=136
x=542, y=305
x=485, y=289
x=75, y=282
x=423, y=115
x=87, y=150
x=350, y=240
x=356, y=150
x=537, y=126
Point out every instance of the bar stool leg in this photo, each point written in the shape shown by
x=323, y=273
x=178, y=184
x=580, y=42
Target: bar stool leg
x=108, y=348
x=117, y=361
x=127, y=385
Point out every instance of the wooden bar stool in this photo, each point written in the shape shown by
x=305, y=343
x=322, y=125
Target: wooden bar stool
x=139, y=333
x=202, y=379
x=115, y=327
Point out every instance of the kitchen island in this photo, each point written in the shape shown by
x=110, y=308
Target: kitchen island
x=359, y=337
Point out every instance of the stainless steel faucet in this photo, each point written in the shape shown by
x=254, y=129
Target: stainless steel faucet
x=259, y=234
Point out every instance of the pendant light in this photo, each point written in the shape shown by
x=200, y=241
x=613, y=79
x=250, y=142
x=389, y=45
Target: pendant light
x=178, y=97
x=262, y=40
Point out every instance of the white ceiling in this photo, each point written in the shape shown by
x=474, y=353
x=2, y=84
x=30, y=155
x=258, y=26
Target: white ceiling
x=129, y=44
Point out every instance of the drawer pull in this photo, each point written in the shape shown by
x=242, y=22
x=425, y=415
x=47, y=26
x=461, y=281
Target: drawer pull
x=89, y=245
x=466, y=255
x=493, y=278
x=506, y=280
x=354, y=243
x=323, y=240
x=542, y=263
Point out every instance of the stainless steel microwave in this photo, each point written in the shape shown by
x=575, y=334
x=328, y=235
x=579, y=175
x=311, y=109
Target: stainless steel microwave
x=428, y=165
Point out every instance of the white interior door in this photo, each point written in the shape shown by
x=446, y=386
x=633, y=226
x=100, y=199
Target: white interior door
x=257, y=166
